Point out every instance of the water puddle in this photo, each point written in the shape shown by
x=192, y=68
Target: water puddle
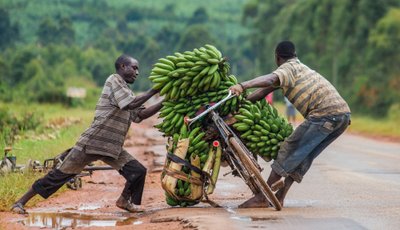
x=75, y=220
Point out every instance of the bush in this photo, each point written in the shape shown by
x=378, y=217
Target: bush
x=394, y=112
x=12, y=124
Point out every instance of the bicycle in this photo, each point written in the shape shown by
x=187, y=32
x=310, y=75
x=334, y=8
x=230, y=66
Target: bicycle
x=8, y=164
x=242, y=162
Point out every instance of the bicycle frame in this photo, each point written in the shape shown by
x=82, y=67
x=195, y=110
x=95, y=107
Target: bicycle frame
x=231, y=142
x=231, y=156
x=239, y=158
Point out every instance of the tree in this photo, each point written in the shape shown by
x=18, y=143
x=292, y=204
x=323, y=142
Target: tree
x=59, y=32
x=381, y=91
x=134, y=15
x=8, y=33
x=330, y=36
x=199, y=16
x=47, y=32
x=66, y=32
x=195, y=36
x=167, y=38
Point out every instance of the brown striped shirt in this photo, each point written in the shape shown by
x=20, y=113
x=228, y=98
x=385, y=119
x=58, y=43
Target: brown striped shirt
x=308, y=91
x=111, y=122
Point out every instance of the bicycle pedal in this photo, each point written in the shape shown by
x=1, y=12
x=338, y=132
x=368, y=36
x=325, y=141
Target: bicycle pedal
x=277, y=185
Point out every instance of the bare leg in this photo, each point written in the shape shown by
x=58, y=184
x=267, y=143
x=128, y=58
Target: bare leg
x=281, y=194
x=18, y=206
x=258, y=200
x=273, y=177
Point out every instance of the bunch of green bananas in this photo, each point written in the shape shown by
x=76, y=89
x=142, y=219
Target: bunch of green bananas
x=174, y=111
x=183, y=203
x=189, y=73
x=190, y=80
x=261, y=128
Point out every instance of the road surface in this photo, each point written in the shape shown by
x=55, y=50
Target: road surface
x=353, y=184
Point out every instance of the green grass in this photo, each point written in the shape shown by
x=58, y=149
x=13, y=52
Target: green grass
x=14, y=185
x=375, y=127
x=364, y=125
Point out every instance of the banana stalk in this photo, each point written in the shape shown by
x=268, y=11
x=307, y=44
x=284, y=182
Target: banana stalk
x=210, y=160
x=215, y=172
x=180, y=151
x=197, y=190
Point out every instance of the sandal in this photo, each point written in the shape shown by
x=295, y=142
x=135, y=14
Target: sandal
x=18, y=208
x=131, y=207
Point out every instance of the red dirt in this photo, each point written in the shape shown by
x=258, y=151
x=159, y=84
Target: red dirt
x=104, y=187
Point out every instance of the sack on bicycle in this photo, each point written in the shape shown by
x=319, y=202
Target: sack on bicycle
x=186, y=179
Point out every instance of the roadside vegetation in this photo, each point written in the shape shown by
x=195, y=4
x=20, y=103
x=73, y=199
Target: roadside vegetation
x=59, y=129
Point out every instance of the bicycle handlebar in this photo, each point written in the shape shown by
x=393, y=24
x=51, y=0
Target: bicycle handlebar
x=191, y=120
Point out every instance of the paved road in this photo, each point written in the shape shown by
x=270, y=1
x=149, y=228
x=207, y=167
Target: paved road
x=354, y=184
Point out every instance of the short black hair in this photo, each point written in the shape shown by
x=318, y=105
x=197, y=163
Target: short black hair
x=286, y=50
x=123, y=59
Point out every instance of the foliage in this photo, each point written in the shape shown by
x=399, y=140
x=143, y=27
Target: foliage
x=8, y=31
x=351, y=43
x=12, y=124
x=70, y=39
x=14, y=185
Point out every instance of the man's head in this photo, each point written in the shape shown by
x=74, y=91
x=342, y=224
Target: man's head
x=127, y=67
x=284, y=50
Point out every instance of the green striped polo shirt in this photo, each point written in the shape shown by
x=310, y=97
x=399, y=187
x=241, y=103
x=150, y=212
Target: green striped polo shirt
x=308, y=91
x=111, y=122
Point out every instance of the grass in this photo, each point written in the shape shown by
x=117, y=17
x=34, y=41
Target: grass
x=14, y=185
x=363, y=125
x=373, y=127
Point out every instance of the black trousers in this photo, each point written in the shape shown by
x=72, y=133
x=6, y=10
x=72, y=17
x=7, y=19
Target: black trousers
x=133, y=171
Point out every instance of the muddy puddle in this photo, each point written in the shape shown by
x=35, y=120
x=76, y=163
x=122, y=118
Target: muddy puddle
x=75, y=220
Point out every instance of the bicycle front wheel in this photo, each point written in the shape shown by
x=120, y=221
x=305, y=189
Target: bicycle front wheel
x=256, y=175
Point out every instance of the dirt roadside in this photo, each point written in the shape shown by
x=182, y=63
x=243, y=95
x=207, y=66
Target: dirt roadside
x=95, y=202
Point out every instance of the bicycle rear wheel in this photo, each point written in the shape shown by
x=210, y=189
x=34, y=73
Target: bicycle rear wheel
x=256, y=175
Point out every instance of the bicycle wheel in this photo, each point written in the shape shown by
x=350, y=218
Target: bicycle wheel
x=241, y=172
x=257, y=177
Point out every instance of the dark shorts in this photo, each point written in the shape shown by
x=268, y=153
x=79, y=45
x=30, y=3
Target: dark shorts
x=308, y=140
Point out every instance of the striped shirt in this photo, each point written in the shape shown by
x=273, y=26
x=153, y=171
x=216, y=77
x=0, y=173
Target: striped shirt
x=111, y=122
x=308, y=91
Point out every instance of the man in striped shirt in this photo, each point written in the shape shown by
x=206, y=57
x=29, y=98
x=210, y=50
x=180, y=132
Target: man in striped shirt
x=103, y=140
x=326, y=114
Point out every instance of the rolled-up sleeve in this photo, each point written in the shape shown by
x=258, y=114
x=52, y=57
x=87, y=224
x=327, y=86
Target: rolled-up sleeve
x=286, y=75
x=122, y=95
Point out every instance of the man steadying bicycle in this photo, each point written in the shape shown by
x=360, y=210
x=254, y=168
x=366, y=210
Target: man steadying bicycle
x=326, y=113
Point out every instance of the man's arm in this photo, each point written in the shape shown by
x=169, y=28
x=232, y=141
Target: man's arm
x=260, y=93
x=150, y=111
x=269, y=80
x=139, y=100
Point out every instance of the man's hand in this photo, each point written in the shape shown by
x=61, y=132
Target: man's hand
x=237, y=89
